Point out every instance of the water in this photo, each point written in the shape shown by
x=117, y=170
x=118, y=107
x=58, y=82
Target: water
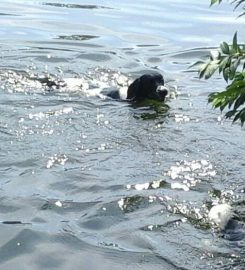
x=89, y=183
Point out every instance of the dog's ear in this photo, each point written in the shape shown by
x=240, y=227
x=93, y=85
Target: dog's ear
x=133, y=89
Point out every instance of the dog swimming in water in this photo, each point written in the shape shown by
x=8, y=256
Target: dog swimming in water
x=148, y=86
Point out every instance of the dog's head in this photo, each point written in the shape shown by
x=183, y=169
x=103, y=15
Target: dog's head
x=148, y=86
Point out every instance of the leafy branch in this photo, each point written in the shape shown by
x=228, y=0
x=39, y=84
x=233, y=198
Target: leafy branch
x=228, y=60
x=237, y=3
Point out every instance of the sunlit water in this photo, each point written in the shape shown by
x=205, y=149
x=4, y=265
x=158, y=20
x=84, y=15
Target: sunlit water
x=92, y=183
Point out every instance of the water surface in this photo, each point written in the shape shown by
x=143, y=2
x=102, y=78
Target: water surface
x=92, y=183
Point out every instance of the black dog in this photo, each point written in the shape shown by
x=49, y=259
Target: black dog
x=148, y=86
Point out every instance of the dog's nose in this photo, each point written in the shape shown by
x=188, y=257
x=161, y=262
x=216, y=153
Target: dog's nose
x=162, y=91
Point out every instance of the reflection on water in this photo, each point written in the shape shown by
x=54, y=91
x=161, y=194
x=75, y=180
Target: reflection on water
x=77, y=37
x=132, y=184
x=6, y=14
x=75, y=6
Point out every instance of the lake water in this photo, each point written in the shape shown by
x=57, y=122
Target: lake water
x=92, y=183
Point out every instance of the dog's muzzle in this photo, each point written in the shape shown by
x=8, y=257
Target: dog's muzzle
x=162, y=91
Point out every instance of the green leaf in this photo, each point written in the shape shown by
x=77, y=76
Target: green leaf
x=240, y=101
x=225, y=48
x=212, y=96
x=238, y=3
x=242, y=14
x=232, y=72
x=203, y=69
x=240, y=116
x=226, y=72
x=236, y=85
x=223, y=63
x=234, y=43
x=237, y=63
x=210, y=69
x=215, y=1
x=230, y=114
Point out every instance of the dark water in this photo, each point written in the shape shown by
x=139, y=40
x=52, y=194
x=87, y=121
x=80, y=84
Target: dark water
x=89, y=183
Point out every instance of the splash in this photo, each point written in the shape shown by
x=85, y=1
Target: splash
x=56, y=159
